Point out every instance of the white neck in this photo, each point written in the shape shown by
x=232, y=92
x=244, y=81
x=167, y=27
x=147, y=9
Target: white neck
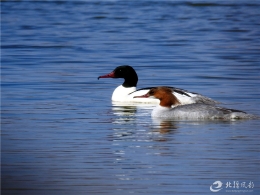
x=121, y=93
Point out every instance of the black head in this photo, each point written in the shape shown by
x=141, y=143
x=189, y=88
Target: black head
x=126, y=72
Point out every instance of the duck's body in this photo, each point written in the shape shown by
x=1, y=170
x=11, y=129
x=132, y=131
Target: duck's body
x=171, y=108
x=198, y=111
x=127, y=91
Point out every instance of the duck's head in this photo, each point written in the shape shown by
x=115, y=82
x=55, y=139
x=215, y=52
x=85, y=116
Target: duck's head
x=126, y=72
x=164, y=94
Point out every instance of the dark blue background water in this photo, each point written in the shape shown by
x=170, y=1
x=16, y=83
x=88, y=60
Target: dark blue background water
x=60, y=134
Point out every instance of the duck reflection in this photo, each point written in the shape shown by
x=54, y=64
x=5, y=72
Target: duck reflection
x=124, y=114
x=163, y=126
x=128, y=111
x=133, y=113
x=124, y=110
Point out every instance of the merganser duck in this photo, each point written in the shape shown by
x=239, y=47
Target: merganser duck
x=170, y=107
x=127, y=91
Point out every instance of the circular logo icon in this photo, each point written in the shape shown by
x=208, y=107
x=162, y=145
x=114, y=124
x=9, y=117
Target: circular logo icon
x=216, y=186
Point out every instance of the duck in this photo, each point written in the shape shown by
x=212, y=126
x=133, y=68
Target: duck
x=128, y=90
x=171, y=108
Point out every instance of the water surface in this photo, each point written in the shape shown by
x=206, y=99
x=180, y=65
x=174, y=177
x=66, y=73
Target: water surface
x=60, y=133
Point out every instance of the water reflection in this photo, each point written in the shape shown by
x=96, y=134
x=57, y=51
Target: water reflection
x=124, y=110
x=137, y=140
x=163, y=126
x=124, y=114
x=134, y=123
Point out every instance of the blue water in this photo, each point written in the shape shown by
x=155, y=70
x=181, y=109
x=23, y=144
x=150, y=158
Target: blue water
x=60, y=133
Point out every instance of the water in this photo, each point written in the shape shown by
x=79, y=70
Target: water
x=61, y=134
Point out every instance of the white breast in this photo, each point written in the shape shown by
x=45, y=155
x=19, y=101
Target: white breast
x=121, y=93
x=127, y=94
